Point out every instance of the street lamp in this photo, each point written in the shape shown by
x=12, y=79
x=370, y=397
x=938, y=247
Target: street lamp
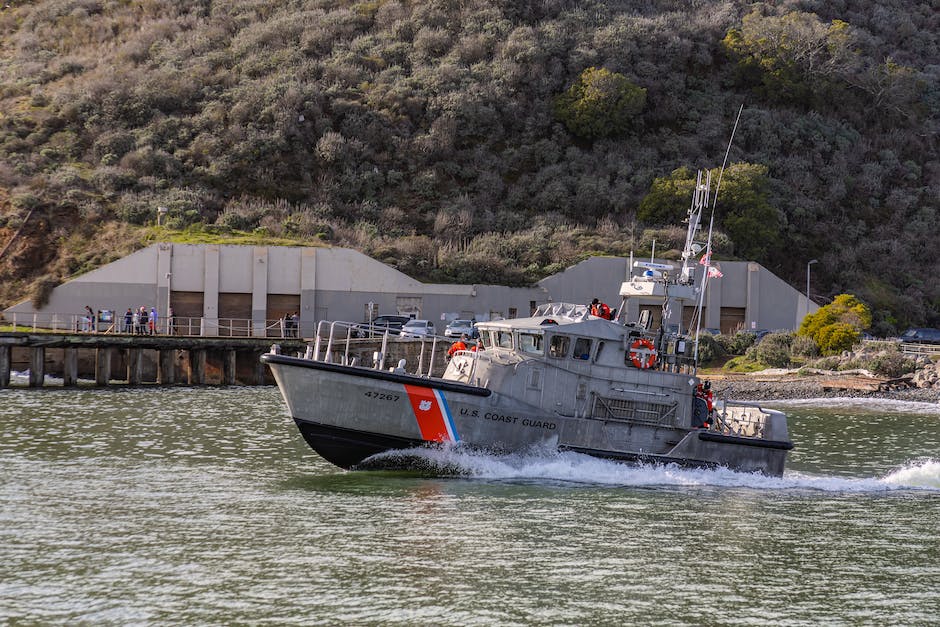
x=811, y=262
x=169, y=292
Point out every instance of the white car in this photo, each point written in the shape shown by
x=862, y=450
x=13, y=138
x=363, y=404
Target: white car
x=458, y=327
x=418, y=328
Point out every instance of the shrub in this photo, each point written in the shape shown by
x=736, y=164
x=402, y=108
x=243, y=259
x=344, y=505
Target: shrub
x=115, y=143
x=891, y=364
x=851, y=364
x=42, y=290
x=827, y=363
x=740, y=342
x=113, y=178
x=709, y=349
x=802, y=346
x=136, y=210
x=774, y=350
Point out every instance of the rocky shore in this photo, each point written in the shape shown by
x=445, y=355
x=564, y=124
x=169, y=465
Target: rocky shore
x=792, y=386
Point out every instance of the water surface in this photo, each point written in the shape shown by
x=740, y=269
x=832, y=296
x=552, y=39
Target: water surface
x=204, y=506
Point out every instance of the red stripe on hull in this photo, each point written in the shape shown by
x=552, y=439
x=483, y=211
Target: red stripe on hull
x=428, y=414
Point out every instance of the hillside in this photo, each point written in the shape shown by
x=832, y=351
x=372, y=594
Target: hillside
x=478, y=140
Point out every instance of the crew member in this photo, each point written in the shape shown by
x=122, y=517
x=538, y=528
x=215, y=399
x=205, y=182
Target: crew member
x=459, y=345
x=599, y=309
x=704, y=396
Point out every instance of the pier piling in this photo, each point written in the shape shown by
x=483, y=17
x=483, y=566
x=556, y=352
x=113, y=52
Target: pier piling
x=4, y=366
x=102, y=366
x=137, y=359
x=37, y=366
x=70, y=367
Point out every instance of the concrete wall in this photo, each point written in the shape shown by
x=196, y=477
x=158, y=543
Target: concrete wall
x=339, y=283
x=332, y=283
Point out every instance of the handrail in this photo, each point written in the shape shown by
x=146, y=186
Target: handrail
x=336, y=335
x=114, y=322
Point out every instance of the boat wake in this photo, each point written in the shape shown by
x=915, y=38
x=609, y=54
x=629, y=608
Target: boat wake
x=582, y=470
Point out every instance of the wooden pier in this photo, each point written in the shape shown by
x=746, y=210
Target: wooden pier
x=139, y=359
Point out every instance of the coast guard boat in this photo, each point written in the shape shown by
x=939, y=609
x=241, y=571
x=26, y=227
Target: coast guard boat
x=562, y=379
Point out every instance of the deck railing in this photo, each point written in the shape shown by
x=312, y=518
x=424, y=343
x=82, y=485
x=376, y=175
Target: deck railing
x=343, y=342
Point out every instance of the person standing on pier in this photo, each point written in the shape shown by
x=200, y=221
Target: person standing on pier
x=153, y=321
x=144, y=321
x=92, y=322
x=129, y=321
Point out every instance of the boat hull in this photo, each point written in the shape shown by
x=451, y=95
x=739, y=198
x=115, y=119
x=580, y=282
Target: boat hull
x=348, y=414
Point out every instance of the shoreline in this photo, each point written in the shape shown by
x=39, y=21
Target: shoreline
x=749, y=388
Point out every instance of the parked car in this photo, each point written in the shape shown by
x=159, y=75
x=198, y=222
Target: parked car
x=712, y=331
x=381, y=324
x=418, y=328
x=921, y=336
x=456, y=328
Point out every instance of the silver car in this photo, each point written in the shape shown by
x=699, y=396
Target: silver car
x=418, y=328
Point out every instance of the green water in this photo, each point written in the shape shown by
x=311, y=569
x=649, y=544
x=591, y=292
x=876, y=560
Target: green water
x=204, y=506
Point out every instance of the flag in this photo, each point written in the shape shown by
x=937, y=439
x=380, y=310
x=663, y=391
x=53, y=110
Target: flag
x=714, y=272
x=706, y=259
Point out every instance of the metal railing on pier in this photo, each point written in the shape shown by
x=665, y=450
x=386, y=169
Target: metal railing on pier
x=117, y=323
x=911, y=348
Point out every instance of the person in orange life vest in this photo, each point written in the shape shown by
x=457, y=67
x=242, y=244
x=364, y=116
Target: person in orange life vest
x=709, y=397
x=704, y=392
x=478, y=346
x=599, y=309
x=459, y=345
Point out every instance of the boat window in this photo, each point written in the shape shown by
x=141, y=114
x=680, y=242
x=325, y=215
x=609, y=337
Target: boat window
x=531, y=343
x=559, y=346
x=503, y=339
x=582, y=348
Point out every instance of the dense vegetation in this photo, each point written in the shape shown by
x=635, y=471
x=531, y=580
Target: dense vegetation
x=744, y=352
x=479, y=140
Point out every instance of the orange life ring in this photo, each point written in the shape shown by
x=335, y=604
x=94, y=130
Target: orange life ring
x=643, y=354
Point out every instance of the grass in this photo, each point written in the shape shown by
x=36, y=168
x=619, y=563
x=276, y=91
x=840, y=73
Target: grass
x=203, y=234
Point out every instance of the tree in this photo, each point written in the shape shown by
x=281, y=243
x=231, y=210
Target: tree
x=668, y=198
x=793, y=56
x=600, y=104
x=837, y=326
x=743, y=209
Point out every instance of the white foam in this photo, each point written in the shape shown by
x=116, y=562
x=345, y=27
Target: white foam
x=924, y=474
x=576, y=468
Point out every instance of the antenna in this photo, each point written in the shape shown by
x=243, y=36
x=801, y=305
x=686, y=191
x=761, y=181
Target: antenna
x=727, y=152
x=708, y=246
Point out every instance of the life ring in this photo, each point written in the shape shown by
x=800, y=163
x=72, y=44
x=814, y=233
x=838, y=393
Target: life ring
x=643, y=354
